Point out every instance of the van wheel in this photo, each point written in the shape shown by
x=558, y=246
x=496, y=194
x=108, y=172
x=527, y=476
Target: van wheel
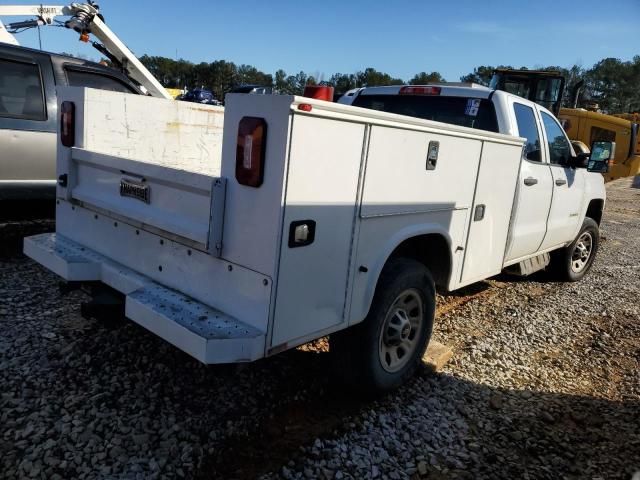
x=385, y=350
x=573, y=262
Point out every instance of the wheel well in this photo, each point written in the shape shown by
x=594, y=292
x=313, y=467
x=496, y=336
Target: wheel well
x=595, y=210
x=432, y=250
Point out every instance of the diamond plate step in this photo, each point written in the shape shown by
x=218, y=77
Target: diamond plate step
x=205, y=333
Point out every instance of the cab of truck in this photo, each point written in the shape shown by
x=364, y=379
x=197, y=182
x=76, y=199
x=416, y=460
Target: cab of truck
x=28, y=114
x=555, y=191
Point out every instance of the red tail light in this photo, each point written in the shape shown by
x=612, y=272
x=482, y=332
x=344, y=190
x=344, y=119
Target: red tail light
x=68, y=124
x=250, y=151
x=420, y=90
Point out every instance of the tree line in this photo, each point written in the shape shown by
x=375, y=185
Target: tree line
x=611, y=83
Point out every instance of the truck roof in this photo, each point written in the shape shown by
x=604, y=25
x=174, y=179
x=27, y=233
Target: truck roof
x=474, y=90
x=62, y=59
x=468, y=90
x=44, y=52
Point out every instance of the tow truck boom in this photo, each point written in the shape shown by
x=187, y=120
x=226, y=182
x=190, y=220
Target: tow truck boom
x=85, y=18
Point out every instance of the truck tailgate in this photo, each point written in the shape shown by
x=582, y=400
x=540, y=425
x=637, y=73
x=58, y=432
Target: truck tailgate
x=173, y=201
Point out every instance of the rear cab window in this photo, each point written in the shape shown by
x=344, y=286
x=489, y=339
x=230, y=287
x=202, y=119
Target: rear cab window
x=467, y=112
x=83, y=78
x=21, y=92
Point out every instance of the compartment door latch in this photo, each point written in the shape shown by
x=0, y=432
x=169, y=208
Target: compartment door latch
x=302, y=233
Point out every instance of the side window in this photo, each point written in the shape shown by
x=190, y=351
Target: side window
x=559, y=148
x=527, y=128
x=602, y=135
x=21, y=94
x=77, y=78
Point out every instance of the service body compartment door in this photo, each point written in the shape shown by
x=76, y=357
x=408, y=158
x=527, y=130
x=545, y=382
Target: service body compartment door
x=321, y=191
x=399, y=181
x=491, y=212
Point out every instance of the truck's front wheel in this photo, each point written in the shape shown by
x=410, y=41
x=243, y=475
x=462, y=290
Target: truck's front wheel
x=573, y=262
x=386, y=348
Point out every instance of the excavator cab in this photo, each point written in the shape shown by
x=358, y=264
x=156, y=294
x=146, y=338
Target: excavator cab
x=546, y=88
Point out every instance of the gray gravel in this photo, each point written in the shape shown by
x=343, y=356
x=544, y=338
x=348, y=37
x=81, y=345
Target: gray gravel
x=544, y=383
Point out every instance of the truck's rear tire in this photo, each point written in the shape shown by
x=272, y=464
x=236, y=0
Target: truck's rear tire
x=574, y=261
x=385, y=350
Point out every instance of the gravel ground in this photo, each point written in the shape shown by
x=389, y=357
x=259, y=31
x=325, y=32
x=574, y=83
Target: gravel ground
x=544, y=383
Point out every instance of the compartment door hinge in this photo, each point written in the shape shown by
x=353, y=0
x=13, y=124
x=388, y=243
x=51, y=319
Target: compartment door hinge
x=216, y=217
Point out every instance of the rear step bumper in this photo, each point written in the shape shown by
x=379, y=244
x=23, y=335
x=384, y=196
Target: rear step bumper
x=199, y=330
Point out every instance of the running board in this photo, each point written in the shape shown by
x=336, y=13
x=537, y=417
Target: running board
x=203, y=332
x=530, y=265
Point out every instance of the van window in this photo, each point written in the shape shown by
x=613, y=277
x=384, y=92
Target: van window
x=78, y=78
x=559, y=148
x=527, y=128
x=466, y=112
x=21, y=94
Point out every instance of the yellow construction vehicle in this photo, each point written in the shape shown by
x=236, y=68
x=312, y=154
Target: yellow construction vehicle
x=583, y=127
x=588, y=127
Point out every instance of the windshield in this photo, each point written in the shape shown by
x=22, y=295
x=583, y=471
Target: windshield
x=466, y=112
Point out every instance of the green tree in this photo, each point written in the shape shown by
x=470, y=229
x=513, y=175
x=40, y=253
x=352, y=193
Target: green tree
x=342, y=82
x=614, y=84
x=424, y=78
x=373, y=78
x=280, y=82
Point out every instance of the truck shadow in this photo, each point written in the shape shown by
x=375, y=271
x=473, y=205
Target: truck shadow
x=517, y=432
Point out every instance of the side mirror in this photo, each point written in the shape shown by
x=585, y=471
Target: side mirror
x=601, y=154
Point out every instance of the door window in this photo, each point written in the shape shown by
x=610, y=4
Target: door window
x=602, y=135
x=559, y=147
x=77, y=78
x=21, y=94
x=527, y=128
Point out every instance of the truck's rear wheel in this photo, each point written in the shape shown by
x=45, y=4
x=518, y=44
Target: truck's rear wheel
x=384, y=350
x=573, y=262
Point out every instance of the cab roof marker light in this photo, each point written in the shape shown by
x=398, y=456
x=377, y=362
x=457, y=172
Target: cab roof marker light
x=411, y=90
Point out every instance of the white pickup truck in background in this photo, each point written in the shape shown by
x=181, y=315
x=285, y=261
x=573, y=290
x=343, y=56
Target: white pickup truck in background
x=241, y=232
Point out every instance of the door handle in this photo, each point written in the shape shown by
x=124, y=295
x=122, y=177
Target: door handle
x=530, y=181
x=561, y=182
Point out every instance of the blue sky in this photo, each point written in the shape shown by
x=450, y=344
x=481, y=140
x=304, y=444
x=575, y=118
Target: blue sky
x=401, y=39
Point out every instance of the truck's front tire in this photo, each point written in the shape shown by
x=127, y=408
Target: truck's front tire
x=574, y=261
x=385, y=350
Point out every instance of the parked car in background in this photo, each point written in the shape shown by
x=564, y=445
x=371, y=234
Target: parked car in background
x=28, y=114
x=200, y=95
x=256, y=89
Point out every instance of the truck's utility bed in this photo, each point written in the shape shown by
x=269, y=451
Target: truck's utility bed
x=207, y=334
x=285, y=239
x=149, y=162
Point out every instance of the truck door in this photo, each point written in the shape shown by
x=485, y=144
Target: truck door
x=533, y=199
x=27, y=120
x=568, y=186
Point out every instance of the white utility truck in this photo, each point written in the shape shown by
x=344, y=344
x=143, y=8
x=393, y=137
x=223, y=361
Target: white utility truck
x=238, y=233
